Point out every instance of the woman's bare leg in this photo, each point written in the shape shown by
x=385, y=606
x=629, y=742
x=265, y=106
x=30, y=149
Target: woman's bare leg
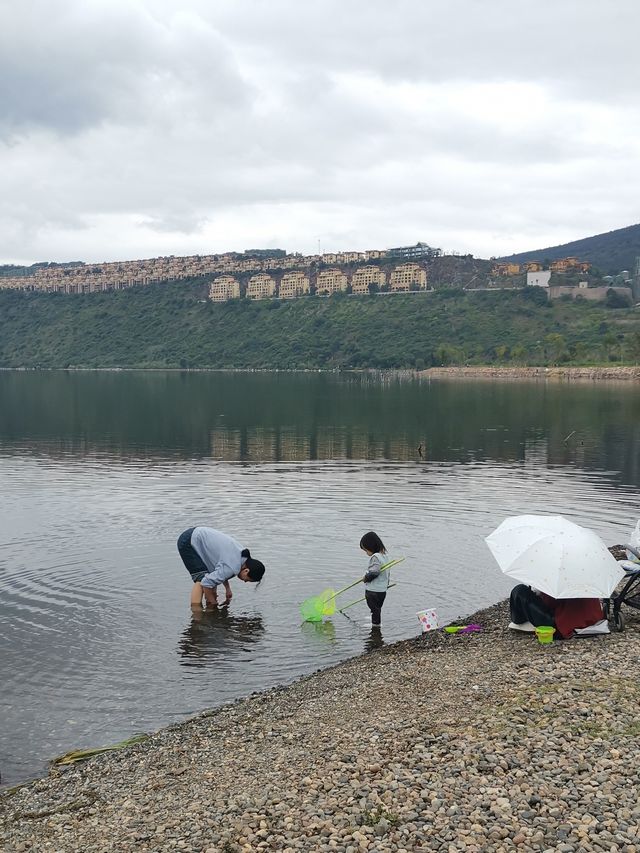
x=196, y=595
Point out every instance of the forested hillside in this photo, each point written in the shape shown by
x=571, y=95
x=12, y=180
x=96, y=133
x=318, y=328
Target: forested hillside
x=610, y=252
x=173, y=325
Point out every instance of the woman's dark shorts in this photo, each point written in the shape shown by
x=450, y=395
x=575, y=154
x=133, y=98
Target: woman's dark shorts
x=190, y=557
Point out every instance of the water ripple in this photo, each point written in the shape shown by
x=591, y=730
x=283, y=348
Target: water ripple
x=94, y=605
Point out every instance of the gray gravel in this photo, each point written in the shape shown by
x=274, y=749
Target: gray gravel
x=471, y=742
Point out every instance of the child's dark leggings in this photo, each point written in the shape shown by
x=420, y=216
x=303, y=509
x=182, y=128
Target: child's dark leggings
x=375, y=600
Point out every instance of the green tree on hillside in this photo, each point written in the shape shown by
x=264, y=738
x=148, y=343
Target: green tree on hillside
x=446, y=354
x=555, y=348
x=579, y=352
x=611, y=346
x=518, y=354
x=633, y=346
x=173, y=325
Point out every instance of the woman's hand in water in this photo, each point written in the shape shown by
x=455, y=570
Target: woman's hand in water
x=210, y=596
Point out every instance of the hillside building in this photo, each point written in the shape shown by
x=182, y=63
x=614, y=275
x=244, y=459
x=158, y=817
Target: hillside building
x=569, y=265
x=265, y=254
x=420, y=250
x=505, y=269
x=363, y=277
x=349, y=257
x=592, y=294
x=224, y=287
x=539, y=278
x=331, y=281
x=294, y=284
x=408, y=277
x=261, y=286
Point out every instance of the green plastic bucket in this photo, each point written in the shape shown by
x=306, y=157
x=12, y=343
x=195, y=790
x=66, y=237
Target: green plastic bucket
x=545, y=633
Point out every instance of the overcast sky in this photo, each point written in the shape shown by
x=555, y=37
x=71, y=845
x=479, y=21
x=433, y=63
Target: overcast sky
x=137, y=128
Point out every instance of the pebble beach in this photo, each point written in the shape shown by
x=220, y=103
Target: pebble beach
x=476, y=742
x=609, y=373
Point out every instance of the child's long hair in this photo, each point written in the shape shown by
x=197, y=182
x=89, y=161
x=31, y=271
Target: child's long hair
x=372, y=542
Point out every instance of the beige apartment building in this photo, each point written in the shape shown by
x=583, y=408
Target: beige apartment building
x=118, y=275
x=12, y=282
x=224, y=287
x=331, y=281
x=287, y=263
x=261, y=286
x=364, y=276
x=571, y=263
x=294, y=284
x=408, y=277
x=505, y=269
x=349, y=257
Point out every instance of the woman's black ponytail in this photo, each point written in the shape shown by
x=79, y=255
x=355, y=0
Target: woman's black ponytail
x=256, y=568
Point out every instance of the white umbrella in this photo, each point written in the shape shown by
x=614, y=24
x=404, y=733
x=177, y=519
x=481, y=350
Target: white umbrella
x=555, y=556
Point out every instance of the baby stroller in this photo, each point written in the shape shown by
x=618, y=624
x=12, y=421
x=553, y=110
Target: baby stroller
x=629, y=594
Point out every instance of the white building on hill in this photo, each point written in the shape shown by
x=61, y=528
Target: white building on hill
x=539, y=278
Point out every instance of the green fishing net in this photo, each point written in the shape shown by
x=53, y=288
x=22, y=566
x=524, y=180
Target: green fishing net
x=313, y=609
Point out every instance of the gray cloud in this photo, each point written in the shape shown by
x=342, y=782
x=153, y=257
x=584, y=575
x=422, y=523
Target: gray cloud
x=74, y=65
x=129, y=130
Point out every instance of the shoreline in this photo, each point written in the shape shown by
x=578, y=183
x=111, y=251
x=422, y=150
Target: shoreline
x=592, y=374
x=474, y=742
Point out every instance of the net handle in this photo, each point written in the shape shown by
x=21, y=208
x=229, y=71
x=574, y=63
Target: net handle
x=342, y=609
x=355, y=583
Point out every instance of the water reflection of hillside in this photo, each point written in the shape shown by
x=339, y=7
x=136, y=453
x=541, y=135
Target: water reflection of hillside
x=618, y=448
x=254, y=418
x=289, y=445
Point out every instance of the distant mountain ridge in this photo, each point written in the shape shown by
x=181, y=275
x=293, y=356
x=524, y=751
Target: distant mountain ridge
x=610, y=252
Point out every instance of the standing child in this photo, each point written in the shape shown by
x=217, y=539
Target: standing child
x=375, y=581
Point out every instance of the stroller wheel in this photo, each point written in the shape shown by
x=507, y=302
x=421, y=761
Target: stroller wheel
x=618, y=621
x=606, y=608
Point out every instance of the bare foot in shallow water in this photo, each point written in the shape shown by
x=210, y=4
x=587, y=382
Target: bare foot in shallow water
x=199, y=598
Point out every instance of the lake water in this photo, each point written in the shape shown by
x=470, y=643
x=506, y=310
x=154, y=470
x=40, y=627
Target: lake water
x=100, y=473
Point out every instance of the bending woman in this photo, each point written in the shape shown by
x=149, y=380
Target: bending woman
x=213, y=558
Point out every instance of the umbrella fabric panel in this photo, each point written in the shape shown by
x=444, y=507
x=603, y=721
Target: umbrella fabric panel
x=555, y=556
x=516, y=534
